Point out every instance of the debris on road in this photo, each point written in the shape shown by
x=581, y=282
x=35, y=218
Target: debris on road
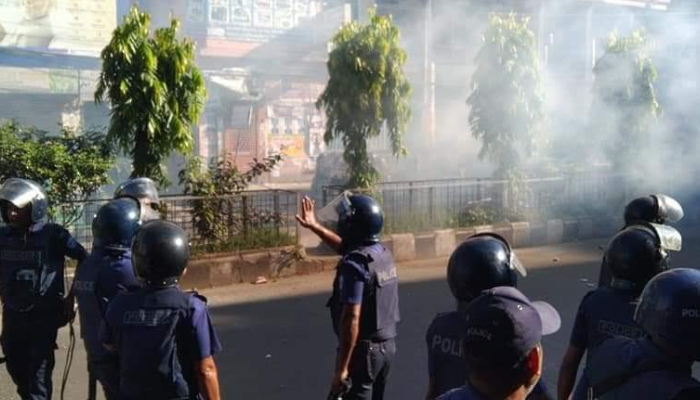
x=555, y=259
x=260, y=280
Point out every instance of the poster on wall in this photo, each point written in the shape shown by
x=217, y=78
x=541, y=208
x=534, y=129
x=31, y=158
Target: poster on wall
x=66, y=26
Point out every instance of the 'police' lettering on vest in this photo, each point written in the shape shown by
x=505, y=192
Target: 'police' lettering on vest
x=690, y=313
x=148, y=317
x=385, y=276
x=615, y=329
x=447, y=345
x=20, y=255
x=83, y=286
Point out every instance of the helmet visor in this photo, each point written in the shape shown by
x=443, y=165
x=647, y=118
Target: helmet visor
x=20, y=192
x=669, y=208
x=517, y=265
x=338, y=208
x=669, y=236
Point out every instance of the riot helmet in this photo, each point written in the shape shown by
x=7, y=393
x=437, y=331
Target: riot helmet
x=482, y=262
x=639, y=252
x=116, y=223
x=669, y=310
x=159, y=253
x=357, y=218
x=655, y=208
x=140, y=188
x=24, y=193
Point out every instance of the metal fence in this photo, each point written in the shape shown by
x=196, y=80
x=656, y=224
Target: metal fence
x=249, y=220
x=449, y=203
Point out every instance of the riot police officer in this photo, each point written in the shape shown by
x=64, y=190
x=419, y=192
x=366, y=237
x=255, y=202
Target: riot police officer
x=655, y=208
x=104, y=274
x=143, y=189
x=658, y=365
x=32, y=271
x=164, y=337
x=482, y=262
x=634, y=256
x=502, y=345
x=365, y=302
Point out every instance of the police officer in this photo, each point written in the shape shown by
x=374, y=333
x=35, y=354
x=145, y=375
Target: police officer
x=32, y=271
x=658, y=365
x=655, y=208
x=164, y=337
x=365, y=302
x=634, y=256
x=482, y=262
x=143, y=189
x=105, y=273
x=502, y=345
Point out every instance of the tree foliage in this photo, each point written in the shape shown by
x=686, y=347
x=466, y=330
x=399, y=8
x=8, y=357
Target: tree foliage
x=367, y=91
x=71, y=167
x=156, y=92
x=507, y=98
x=625, y=107
x=217, y=214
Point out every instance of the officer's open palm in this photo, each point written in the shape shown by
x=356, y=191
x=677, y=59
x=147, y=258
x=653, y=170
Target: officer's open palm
x=307, y=219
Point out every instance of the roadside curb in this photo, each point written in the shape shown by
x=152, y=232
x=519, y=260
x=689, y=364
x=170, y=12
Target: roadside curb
x=223, y=269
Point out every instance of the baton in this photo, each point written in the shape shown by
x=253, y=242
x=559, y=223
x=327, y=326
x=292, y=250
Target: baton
x=344, y=389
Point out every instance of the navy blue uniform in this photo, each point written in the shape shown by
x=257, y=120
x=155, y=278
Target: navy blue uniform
x=32, y=269
x=103, y=275
x=160, y=333
x=466, y=392
x=651, y=374
x=446, y=364
x=602, y=314
x=368, y=276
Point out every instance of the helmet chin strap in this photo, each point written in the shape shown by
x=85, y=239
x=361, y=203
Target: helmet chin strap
x=622, y=284
x=164, y=283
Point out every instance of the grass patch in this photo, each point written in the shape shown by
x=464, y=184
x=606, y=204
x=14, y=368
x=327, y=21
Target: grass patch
x=256, y=239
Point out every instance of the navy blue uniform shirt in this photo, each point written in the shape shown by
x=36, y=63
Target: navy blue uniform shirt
x=604, y=313
x=466, y=392
x=55, y=243
x=352, y=278
x=103, y=275
x=158, y=339
x=446, y=365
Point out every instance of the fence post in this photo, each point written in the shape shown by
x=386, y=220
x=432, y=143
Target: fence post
x=410, y=197
x=246, y=217
x=276, y=208
x=431, y=202
x=297, y=228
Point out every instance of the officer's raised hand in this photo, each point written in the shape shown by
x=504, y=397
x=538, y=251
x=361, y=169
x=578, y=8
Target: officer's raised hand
x=307, y=219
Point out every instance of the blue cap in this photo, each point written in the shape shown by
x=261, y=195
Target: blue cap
x=503, y=326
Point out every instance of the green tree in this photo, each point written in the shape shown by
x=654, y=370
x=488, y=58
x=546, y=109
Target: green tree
x=367, y=91
x=625, y=108
x=156, y=92
x=507, y=99
x=216, y=213
x=70, y=166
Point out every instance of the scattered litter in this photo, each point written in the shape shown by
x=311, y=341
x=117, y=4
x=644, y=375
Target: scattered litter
x=600, y=247
x=584, y=279
x=555, y=259
x=590, y=285
x=268, y=356
x=260, y=280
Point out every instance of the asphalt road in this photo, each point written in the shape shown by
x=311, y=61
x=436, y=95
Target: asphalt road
x=278, y=342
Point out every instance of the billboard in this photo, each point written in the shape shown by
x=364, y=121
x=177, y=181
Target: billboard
x=251, y=20
x=65, y=26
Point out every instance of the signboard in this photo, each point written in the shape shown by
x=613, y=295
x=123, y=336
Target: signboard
x=253, y=20
x=66, y=26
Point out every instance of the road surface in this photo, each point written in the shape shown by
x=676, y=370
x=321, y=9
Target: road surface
x=278, y=342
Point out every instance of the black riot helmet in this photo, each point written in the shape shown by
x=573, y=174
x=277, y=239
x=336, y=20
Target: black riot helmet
x=141, y=188
x=482, y=262
x=159, y=253
x=360, y=219
x=638, y=253
x=656, y=208
x=116, y=223
x=669, y=310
